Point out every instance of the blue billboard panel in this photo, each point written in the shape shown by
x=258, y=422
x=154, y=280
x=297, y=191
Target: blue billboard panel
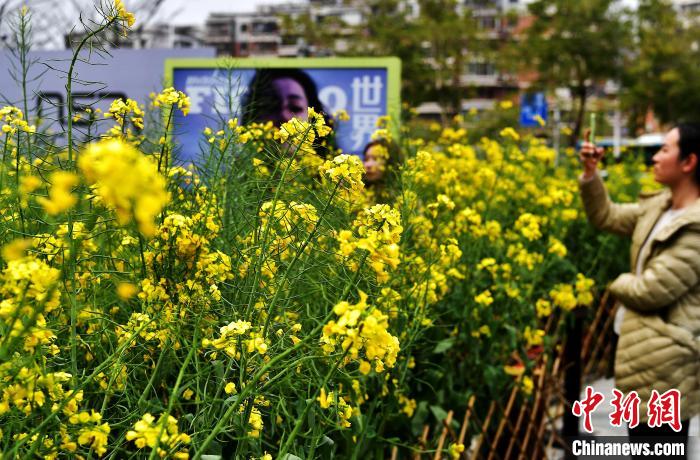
x=531, y=106
x=260, y=94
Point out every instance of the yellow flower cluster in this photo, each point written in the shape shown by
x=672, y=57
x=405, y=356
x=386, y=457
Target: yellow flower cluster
x=584, y=290
x=171, y=97
x=28, y=289
x=377, y=231
x=31, y=389
x=556, y=247
x=143, y=326
x=409, y=405
x=255, y=421
x=455, y=450
x=27, y=389
x=122, y=111
x=301, y=134
x=529, y=226
x=287, y=217
x=126, y=181
x=568, y=297
x=533, y=337
x=485, y=298
x=12, y=119
x=521, y=256
x=318, y=123
x=361, y=328
x=509, y=132
x=232, y=334
x=343, y=409
x=60, y=197
x=346, y=170
x=257, y=134
x=125, y=16
x=563, y=296
x=286, y=226
x=164, y=433
x=91, y=433
x=543, y=307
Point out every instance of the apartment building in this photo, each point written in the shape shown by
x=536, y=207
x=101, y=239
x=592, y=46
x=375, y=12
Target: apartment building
x=243, y=34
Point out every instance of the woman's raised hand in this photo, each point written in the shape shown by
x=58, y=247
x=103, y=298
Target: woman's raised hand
x=590, y=155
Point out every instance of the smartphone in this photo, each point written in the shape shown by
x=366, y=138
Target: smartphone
x=591, y=136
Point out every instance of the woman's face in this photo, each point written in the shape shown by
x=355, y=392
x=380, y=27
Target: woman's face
x=374, y=164
x=668, y=167
x=293, y=101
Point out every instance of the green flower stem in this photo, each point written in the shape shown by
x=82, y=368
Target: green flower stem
x=307, y=240
x=266, y=232
x=71, y=272
x=149, y=385
x=358, y=444
x=75, y=390
x=302, y=418
x=175, y=389
x=19, y=198
x=249, y=388
x=69, y=83
x=245, y=392
x=165, y=140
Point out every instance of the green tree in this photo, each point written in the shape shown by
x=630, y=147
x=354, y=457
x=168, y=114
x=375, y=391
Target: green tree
x=661, y=73
x=573, y=44
x=450, y=35
x=390, y=31
x=317, y=36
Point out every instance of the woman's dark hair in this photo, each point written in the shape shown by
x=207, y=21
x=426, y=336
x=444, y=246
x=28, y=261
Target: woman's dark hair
x=261, y=98
x=689, y=142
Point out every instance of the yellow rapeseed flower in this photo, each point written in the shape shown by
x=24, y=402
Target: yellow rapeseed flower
x=126, y=181
x=171, y=97
x=60, y=197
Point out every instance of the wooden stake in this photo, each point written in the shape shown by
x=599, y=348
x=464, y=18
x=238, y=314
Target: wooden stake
x=423, y=441
x=504, y=419
x=602, y=306
x=484, y=427
x=441, y=442
x=465, y=422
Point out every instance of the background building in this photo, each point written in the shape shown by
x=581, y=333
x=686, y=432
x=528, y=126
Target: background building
x=243, y=34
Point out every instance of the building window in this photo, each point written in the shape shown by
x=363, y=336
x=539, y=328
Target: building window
x=481, y=68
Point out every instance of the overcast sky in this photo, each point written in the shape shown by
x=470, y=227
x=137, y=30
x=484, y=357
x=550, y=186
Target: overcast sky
x=196, y=11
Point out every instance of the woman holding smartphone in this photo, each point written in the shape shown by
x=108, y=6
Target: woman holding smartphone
x=658, y=326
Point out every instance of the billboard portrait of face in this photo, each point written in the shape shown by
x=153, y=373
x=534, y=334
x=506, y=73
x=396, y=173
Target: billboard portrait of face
x=275, y=91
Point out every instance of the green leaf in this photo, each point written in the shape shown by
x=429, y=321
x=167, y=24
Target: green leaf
x=444, y=345
x=326, y=440
x=439, y=413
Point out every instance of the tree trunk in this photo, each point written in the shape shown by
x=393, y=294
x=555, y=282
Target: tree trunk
x=580, y=93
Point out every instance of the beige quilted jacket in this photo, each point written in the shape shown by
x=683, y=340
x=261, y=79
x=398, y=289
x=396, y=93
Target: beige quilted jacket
x=657, y=348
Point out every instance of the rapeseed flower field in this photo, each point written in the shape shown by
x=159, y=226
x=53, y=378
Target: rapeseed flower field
x=267, y=302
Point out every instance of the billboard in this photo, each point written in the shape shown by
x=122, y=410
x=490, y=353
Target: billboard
x=132, y=73
x=532, y=107
x=260, y=90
